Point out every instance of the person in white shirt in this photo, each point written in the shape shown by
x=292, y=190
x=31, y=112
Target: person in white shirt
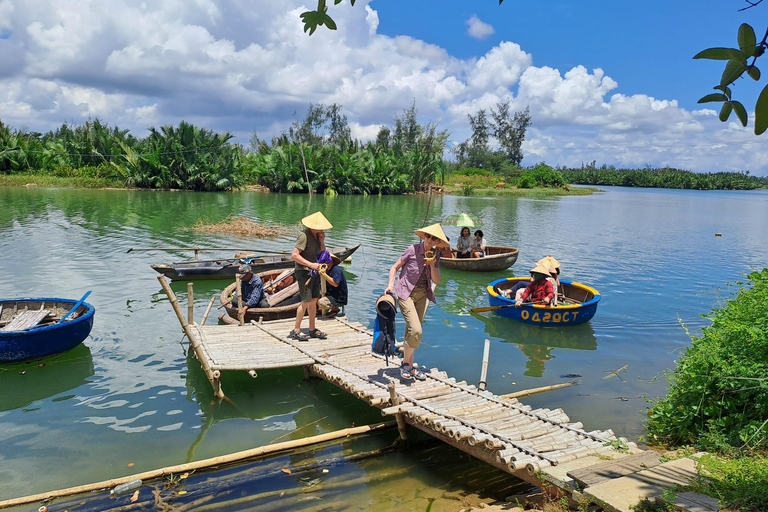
x=478, y=245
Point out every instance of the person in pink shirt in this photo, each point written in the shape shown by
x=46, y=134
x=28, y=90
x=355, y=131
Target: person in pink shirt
x=419, y=267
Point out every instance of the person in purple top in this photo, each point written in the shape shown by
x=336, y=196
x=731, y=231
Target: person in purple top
x=419, y=267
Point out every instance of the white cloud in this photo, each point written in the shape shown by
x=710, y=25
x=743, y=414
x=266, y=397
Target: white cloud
x=477, y=28
x=245, y=65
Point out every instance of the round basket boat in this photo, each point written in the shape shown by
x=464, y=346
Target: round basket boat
x=496, y=258
x=276, y=312
x=579, y=304
x=49, y=336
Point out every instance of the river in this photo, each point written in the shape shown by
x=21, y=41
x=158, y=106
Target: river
x=129, y=400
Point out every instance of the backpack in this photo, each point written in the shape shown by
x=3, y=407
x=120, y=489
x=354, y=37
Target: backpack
x=384, y=327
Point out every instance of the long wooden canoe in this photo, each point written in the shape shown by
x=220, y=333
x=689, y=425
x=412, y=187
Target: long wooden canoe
x=496, y=258
x=226, y=268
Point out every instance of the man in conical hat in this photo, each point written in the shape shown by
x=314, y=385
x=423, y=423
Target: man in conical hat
x=309, y=244
x=539, y=290
x=420, y=264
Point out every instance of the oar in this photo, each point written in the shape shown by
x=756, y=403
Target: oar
x=77, y=305
x=205, y=249
x=494, y=308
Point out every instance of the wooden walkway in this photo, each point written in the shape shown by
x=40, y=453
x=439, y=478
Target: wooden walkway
x=505, y=433
x=540, y=446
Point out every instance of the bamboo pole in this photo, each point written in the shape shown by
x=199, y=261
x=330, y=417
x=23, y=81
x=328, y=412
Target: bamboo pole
x=240, y=312
x=483, y=373
x=200, y=464
x=395, y=401
x=533, y=391
x=202, y=249
x=208, y=310
x=191, y=304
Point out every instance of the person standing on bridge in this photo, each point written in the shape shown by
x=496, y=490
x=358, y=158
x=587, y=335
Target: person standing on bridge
x=420, y=264
x=310, y=242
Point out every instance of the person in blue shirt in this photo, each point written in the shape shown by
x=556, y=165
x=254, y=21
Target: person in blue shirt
x=253, y=290
x=336, y=295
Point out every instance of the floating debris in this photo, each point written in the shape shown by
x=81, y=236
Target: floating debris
x=243, y=226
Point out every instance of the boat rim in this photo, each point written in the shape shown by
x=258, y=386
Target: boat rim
x=91, y=310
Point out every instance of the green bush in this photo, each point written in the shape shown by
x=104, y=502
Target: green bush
x=541, y=175
x=718, y=395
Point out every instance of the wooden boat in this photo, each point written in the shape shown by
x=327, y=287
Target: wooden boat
x=496, y=258
x=285, y=301
x=226, y=268
x=29, y=328
x=579, y=304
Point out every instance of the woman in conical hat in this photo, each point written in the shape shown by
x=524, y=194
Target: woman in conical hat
x=309, y=244
x=553, y=266
x=540, y=290
x=419, y=267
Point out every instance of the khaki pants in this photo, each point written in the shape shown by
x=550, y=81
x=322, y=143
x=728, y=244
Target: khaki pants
x=414, y=308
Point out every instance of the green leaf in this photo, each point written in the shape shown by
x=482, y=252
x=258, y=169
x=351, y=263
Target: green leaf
x=747, y=39
x=761, y=112
x=715, y=54
x=329, y=22
x=311, y=20
x=337, y=2
x=741, y=112
x=709, y=98
x=725, y=112
x=733, y=70
x=726, y=90
x=754, y=73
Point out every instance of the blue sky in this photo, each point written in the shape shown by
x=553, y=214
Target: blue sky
x=611, y=82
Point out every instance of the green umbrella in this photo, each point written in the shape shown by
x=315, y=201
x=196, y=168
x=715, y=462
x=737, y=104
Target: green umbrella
x=462, y=219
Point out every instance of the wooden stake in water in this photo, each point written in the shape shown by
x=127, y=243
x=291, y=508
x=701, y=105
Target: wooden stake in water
x=191, y=305
x=484, y=372
x=240, y=312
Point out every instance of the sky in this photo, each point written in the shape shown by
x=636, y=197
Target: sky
x=607, y=82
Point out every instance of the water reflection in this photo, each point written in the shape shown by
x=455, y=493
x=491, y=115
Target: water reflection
x=536, y=342
x=24, y=383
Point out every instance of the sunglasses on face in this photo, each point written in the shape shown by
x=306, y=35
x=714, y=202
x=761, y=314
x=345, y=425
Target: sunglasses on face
x=430, y=237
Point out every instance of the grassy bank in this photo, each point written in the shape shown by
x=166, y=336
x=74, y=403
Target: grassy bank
x=46, y=180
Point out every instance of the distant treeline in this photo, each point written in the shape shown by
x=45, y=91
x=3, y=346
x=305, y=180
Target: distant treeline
x=664, y=178
x=316, y=153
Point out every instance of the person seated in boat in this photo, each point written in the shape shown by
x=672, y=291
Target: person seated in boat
x=539, y=290
x=336, y=295
x=445, y=250
x=463, y=245
x=516, y=291
x=253, y=290
x=553, y=266
x=478, y=245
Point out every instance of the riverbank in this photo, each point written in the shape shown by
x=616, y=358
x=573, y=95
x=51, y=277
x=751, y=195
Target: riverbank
x=48, y=181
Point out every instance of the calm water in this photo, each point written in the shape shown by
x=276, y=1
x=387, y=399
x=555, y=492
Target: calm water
x=131, y=396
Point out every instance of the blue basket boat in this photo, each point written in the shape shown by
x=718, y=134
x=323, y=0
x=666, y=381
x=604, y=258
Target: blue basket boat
x=578, y=306
x=31, y=328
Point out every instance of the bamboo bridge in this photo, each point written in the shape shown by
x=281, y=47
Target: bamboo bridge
x=540, y=446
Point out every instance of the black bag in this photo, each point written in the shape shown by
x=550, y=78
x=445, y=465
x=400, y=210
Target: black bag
x=384, y=327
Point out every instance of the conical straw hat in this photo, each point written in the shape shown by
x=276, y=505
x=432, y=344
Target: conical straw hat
x=434, y=230
x=541, y=269
x=549, y=262
x=316, y=221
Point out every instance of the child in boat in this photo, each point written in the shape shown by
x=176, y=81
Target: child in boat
x=539, y=290
x=336, y=295
x=478, y=245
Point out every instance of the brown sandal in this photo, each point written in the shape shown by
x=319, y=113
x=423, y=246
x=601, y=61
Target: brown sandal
x=317, y=333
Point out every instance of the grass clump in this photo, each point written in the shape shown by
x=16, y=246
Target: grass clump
x=243, y=226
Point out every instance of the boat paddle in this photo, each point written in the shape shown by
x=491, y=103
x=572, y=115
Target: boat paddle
x=77, y=305
x=494, y=308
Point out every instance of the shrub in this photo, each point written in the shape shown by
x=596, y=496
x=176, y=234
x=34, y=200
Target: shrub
x=541, y=175
x=718, y=395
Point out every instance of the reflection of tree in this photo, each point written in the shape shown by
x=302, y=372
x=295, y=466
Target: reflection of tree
x=537, y=356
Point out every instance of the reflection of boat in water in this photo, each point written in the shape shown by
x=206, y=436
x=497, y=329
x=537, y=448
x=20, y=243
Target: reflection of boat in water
x=24, y=383
x=537, y=344
x=578, y=306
